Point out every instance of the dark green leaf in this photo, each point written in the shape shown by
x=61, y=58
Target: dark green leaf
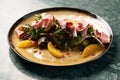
x=25, y=29
x=90, y=30
x=27, y=24
x=56, y=21
x=38, y=16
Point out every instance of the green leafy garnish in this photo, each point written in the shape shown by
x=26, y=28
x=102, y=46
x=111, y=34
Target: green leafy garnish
x=91, y=34
x=38, y=16
x=25, y=29
x=90, y=31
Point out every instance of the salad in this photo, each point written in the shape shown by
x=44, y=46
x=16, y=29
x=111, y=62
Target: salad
x=62, y=35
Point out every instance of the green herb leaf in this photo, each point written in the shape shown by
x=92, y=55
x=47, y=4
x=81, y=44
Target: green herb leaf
x=56, y=21
x=38, y=16
x=95, y=37
x=90, y=30
x=27, y=24
x=25, y=29
x=85, y=42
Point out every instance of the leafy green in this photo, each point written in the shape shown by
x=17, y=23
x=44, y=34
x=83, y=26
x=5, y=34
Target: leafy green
x=85, y=42
x=38, y=16
x=56, y=21
x=27, y=25
x=95, y=37
x=74, y=41
x=91, y=34
x=25, y=29
x=90, y=31
x=35, y=32
x=32, y=32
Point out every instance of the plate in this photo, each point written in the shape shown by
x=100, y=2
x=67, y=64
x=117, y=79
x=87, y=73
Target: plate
x=48, y=59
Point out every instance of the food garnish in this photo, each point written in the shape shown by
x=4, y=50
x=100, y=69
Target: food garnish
x=59, y=36
x=53, y=51
x=91, y=50
x=25, y=44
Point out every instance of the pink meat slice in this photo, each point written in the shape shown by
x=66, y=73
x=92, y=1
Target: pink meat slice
x=70, y=25
x=82, y=26
x=102, y=36
x=19, y=31
x=45, y=22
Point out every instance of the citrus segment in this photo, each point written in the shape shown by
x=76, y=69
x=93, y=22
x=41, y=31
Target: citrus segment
x=91, y=49
x=53, y=51
x=25, y=44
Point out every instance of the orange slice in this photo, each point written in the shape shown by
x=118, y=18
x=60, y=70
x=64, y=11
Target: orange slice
x=91, y=49
x=25, y=44
x=53, y=51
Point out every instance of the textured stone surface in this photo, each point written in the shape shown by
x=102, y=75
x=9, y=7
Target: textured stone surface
x=12, y=67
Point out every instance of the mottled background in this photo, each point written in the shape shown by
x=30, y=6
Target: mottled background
x=12, y=67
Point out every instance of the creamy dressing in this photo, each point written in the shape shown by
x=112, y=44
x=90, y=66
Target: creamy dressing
x=45, y=57
x=30, y=50
x=37, y=55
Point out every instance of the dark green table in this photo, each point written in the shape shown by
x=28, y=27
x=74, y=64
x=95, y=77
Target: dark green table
x=12, y=67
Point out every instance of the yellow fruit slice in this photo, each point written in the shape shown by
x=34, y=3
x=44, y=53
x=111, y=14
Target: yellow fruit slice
x=91, y=49
x=53, y=51
x=25, y=44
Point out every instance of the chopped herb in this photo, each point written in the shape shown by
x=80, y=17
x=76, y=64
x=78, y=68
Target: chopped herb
x=56, y=21
x=90, y=30
x=25, y=29
x=38, y=17
x=27, y=24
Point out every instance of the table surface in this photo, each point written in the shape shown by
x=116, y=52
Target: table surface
x=12, y=67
